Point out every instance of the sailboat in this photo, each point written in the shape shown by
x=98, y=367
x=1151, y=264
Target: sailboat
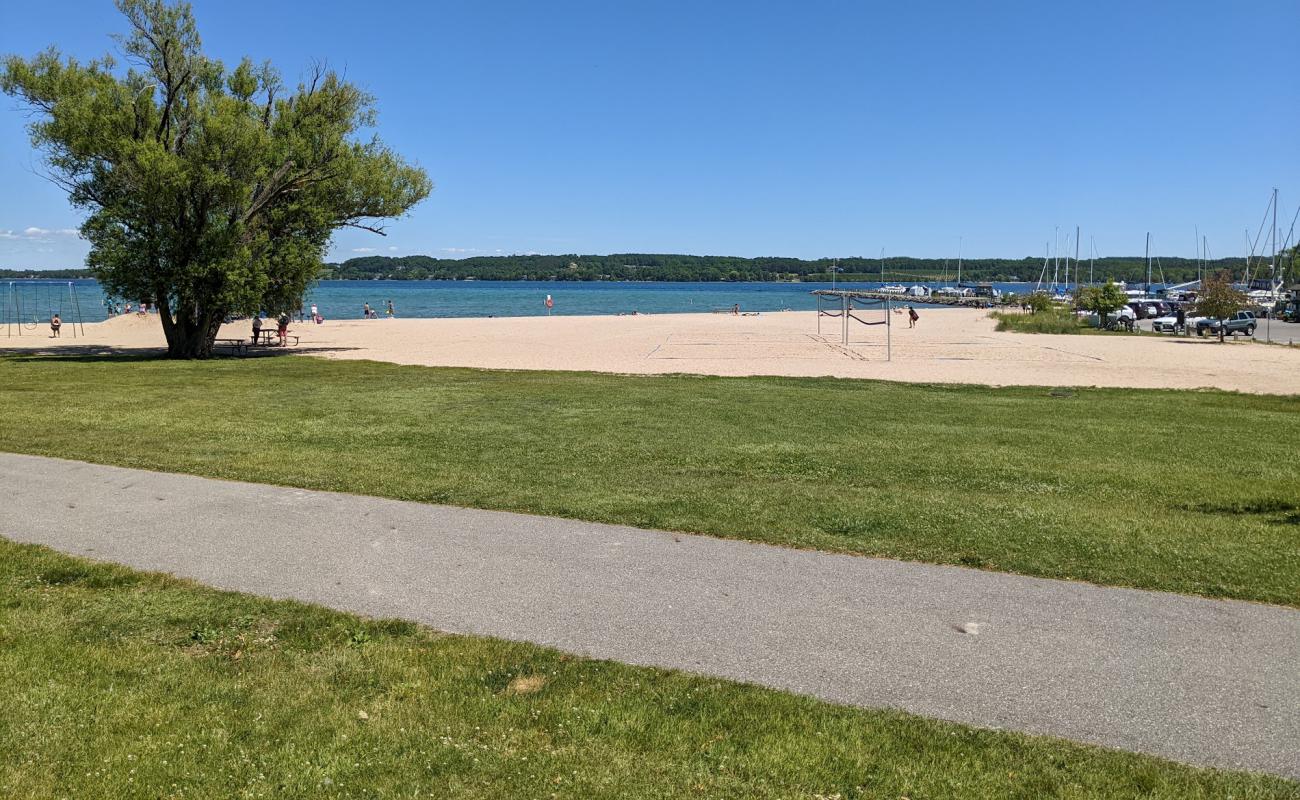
x=954, y=291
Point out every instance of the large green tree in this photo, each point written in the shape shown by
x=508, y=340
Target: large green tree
x=209, y=191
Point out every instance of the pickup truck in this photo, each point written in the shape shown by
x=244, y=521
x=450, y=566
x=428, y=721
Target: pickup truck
x=1241, y=322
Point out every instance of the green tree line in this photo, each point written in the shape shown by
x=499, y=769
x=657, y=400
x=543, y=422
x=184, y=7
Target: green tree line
x=659, y=267
x=667, y=267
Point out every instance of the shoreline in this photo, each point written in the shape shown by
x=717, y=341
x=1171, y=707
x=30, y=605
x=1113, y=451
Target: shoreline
x=957, y=346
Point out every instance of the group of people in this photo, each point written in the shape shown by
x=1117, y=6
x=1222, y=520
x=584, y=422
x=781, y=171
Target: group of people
x=114, y=308
x=367, y=312
x=282, y=328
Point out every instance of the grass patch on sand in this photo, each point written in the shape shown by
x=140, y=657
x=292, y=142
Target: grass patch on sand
x=115, y=683
x=1193, y=492
x=1051, y=321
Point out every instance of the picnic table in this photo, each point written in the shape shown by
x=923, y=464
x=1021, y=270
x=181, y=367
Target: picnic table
x=235, y=346
x=269, y=337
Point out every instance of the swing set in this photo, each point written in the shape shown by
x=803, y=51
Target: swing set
x=26, y=305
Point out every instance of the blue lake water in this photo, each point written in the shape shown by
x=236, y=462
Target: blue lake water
x=345, y=299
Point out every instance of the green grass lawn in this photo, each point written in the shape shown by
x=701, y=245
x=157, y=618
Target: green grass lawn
x=122, y=684
x=1195, y=492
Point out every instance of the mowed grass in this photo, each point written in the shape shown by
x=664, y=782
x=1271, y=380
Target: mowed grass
x=1194, y=492
x=122, y=684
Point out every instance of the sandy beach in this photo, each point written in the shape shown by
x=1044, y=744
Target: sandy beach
x=948, y=346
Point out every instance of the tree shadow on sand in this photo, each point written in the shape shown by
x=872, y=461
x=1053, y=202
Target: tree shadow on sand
x=92, y=353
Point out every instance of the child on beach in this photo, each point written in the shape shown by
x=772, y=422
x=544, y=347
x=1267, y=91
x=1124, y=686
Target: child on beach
x=55, y=324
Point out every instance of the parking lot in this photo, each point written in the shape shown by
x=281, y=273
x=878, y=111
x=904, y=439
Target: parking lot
x=1268, y=330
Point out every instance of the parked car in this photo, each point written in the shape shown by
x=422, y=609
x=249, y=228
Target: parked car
x=1169, y=323
x=1166, y=324
x=1241, y=322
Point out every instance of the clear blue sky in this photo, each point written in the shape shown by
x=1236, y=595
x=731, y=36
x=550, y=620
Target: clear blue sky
x=761, y=128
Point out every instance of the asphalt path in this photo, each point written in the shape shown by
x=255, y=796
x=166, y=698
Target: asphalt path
x=1207, y=682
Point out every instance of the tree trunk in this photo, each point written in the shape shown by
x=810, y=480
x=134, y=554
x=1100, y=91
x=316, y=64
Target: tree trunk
x=188, y=337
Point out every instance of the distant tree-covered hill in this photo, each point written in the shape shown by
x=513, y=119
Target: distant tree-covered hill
x=43, y=274
x=668, y=267
x=661, y=267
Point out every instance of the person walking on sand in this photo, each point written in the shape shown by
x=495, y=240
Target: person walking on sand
x=912, y=317
x=389, y=311
x=55, y=324
x=283, y=330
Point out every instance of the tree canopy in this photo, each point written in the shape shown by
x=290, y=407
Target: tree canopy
x=1102, y=300
x=209, y=191
x=1219, y=300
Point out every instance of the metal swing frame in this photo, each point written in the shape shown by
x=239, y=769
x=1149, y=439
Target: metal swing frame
x=12, y=304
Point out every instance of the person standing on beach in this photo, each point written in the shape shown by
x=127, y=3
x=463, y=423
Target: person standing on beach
x=55, y=324
x=257, y=327
x=315, y=314
x=389, y=310
x=912, y=317
x=283, y=328
x=366, y=311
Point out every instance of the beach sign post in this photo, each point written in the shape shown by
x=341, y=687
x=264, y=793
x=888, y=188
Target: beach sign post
x=549, y=305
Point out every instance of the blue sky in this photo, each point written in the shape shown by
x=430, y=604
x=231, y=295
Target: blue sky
x=760, y=128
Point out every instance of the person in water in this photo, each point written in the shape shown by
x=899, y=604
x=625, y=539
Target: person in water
x=912, y=317
x=55, y=324
x=389, y=311
x=366, y=311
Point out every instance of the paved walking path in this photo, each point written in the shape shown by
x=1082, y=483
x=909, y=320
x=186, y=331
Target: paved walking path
x=1202, y=681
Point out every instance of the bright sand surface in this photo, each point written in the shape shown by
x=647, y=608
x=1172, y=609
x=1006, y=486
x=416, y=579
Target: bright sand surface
x=947, y=346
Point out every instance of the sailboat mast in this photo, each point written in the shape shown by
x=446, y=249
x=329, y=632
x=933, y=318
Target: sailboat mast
x=1272, y=270
x=1148, y=288
x=1076, y=259
x=1205, y=258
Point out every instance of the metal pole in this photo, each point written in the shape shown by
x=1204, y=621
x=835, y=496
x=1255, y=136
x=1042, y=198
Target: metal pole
x=889, y=330
x=819, y=315
x=1076, y=264
x=1272, y=272
x=845, y=306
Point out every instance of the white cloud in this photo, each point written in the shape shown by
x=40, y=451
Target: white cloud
x=45, y=233
x=461, y=250
x=363, y=249
x=38, y=234
x=392, y=249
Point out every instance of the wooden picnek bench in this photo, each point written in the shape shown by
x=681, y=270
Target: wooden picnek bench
x=237, y=347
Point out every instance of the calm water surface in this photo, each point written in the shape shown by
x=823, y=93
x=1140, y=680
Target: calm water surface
x=345, y=299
